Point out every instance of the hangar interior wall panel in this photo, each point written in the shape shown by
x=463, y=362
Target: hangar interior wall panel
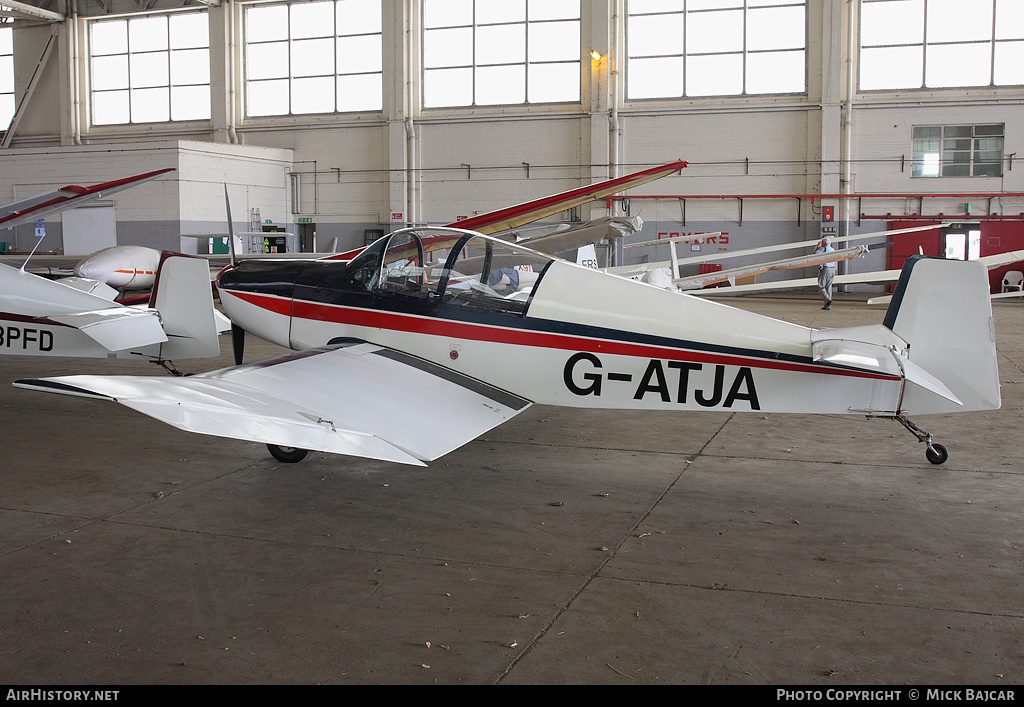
x=497, y=154
x=343, y=169
x=883, y=135
x=364, y=171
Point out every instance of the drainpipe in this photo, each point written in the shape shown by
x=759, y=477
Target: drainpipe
x=613, y=87
x=848, y=120
x=229, y=8
x=76, y=89
x=410, y=123
x=615, y=253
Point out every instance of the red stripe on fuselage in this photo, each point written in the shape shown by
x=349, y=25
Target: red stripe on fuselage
x=392, y=321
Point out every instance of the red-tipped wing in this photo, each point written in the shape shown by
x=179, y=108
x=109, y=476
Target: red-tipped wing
x=67, y=197
x=515, y=216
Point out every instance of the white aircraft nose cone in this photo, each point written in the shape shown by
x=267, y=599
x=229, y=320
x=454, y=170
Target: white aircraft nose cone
x=91, y=270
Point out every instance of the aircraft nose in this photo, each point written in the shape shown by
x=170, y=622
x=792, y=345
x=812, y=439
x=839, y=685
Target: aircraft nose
x=89, y=269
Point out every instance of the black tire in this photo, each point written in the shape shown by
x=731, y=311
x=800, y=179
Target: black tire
x=937, y=454
x=288, y=455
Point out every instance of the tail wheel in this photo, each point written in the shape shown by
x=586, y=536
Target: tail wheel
x=288, y=455
x=937, y=454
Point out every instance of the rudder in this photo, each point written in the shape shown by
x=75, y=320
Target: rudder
x=183, y=295
x=943, y=310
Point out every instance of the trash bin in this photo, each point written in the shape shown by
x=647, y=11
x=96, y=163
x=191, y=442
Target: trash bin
x=3, y=247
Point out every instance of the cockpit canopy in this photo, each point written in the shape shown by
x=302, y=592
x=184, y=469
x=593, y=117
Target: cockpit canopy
x=459, y=268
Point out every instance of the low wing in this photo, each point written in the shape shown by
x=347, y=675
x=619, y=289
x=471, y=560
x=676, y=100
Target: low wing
x=357, y=399
x=67, y=197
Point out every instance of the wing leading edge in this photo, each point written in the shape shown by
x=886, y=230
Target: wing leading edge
x=515, y=216
x=68, y=197
x=357, y=399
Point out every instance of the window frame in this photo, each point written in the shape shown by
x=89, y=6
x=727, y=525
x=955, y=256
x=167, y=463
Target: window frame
x=474, y=65
x=336, y=73
x=743, y=52
x=130, y=89
x=923, y=48
x=6, y=25
x=950, y=155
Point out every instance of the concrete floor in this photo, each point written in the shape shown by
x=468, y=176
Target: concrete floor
x=563, y=547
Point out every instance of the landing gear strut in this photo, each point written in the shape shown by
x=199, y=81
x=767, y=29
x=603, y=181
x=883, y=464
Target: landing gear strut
x=289, y=455
x=935, y=453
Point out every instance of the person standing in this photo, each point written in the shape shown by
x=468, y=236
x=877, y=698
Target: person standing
x=826, y=273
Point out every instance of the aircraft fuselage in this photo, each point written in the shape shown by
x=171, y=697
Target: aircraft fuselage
x=577, y=337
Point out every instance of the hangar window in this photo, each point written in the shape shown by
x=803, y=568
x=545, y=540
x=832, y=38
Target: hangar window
x=6, y=73
x=958, y=151
x=482, y=52
x=314, y=57
x=941, y=43
x=150, y=69
x=689, y=48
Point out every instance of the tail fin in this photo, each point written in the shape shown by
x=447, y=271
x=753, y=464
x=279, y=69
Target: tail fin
x=942, y=309
x=183, y=295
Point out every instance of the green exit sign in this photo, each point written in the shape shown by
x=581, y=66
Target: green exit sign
x=305, y=219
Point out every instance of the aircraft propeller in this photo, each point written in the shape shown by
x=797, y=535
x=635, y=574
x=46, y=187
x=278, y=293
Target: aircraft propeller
x=237, y=332
x=237, y=342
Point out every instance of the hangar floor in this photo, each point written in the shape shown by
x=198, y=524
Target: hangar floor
x=563, y=547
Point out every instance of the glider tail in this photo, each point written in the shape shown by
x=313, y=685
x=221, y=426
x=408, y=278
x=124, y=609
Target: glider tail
x=943, y=310
x=183, y=295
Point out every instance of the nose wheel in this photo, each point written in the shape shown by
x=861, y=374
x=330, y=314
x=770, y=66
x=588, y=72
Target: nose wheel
x=936, y=453
x=289, y=455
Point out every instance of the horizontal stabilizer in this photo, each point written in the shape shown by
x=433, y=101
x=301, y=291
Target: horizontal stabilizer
x=360, y=399
x=117, y=329
x=920, y=377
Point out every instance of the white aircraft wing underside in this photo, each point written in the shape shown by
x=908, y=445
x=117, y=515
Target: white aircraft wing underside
x=358, y=399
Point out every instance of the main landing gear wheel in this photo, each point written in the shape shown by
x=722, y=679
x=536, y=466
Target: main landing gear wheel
x=936, y=453
x=289, y=455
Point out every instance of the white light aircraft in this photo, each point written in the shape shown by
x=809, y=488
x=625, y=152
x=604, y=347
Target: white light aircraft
x=123, y=267
x=427, y=338
x=41, y=317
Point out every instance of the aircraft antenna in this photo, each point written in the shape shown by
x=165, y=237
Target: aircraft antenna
x=39, y=241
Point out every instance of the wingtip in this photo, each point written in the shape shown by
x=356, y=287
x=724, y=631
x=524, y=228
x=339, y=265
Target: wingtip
x=52, y=386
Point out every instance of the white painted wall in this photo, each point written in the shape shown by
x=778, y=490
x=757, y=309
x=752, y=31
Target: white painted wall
x=157, y=212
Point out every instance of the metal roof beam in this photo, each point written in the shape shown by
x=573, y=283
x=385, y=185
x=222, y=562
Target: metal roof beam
x=15, y=8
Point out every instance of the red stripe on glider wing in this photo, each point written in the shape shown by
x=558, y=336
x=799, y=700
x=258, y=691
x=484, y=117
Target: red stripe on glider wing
x=67, y=196
x=514, y=216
